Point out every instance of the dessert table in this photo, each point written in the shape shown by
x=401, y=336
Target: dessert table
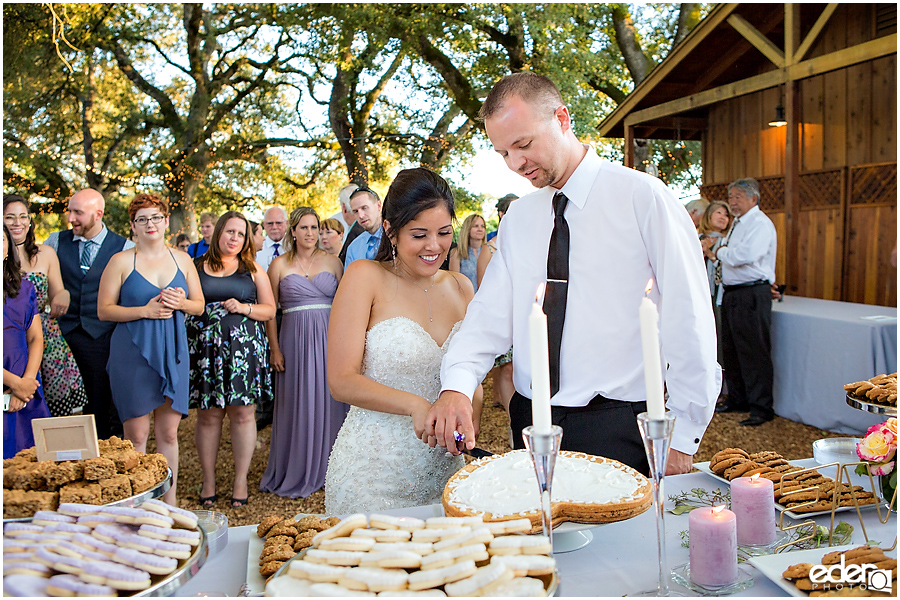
x=820, y=345
x=620, y=560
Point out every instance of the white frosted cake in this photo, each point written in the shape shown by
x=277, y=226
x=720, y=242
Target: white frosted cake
x=586, y=489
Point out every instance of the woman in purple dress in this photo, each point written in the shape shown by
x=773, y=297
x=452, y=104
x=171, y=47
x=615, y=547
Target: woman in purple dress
x=307, y=419
x=23, y=344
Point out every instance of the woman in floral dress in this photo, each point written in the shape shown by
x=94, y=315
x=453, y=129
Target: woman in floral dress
x=63, y=387
x=229, y=352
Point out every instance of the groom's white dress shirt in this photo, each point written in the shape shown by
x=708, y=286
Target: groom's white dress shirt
x=626, y=228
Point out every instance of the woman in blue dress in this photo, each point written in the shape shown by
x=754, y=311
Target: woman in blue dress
x=147, y=290
x=471, y=240
x=23, y=344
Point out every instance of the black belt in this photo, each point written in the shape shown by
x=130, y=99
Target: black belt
x=748, y=284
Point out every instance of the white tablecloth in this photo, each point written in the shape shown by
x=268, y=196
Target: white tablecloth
x=820, y=345
x=620, y=560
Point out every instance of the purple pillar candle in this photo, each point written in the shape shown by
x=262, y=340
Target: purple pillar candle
x=713, y=534
x=752, y=501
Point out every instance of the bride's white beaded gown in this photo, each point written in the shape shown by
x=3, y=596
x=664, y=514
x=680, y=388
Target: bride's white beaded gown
x=377, y=462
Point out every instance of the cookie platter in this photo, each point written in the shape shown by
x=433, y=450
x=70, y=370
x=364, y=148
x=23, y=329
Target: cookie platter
x=872, y=407
x=704, y=467
x=131, y=502
x=56, y=556
x=439, y=556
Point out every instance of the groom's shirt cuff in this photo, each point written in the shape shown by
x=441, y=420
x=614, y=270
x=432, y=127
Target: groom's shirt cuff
x=460, y=380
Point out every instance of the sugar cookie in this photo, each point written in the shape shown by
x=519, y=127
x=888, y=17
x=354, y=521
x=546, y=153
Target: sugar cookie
x=389, y=522
x=342, y=529
x=481, y=582
x=432, y=578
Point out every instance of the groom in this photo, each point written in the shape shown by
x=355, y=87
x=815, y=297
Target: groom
x=596, y=233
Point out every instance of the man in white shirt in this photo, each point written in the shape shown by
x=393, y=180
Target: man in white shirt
x=748, y=272
x=275, y=222
x=366, y=207
x=623, y=228
x=345, y=216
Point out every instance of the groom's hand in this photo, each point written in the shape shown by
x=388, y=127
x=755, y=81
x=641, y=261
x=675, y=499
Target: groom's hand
x=451, y=412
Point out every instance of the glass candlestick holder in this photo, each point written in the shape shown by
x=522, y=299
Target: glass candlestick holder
x=657, y=436
x=543, y=448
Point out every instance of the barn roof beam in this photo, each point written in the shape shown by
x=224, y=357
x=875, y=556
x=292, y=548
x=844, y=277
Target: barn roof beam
x=759, y=41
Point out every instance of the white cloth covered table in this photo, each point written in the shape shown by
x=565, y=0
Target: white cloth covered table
x=620, y=560
x=820, y=345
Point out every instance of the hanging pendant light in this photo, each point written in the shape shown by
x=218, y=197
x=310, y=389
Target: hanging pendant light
x=779, y=120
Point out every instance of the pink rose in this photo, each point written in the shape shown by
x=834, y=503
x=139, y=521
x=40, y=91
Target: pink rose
x=891, y=425
x=878, y=446
x=881, y=468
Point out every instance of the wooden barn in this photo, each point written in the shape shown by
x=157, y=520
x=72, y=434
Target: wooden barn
x=828, y=175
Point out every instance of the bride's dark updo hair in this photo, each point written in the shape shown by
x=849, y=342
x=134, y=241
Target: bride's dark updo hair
x=411, y=192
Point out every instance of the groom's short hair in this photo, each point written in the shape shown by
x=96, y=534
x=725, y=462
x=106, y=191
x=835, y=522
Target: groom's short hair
x=536, y=90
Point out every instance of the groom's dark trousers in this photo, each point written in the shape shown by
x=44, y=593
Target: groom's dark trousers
x=604, y=428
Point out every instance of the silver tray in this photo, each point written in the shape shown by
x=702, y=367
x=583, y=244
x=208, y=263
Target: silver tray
x=551, y=582
x=872, y=407
x=131, y=502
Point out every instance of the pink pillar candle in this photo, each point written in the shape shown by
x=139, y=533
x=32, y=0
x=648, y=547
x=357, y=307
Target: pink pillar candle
x=753, y=503
x=713, y=547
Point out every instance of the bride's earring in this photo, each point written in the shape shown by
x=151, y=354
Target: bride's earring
x=394, y=255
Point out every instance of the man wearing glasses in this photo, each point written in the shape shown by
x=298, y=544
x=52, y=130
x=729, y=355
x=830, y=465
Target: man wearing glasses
x=275, y=223
x=84, y=251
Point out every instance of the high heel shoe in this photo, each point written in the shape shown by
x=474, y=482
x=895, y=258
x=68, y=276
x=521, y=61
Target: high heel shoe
x=209, y=501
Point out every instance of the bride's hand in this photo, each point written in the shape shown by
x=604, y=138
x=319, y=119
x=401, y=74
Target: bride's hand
x=419, y=413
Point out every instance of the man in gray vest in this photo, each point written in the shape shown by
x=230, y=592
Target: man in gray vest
x=84, y=251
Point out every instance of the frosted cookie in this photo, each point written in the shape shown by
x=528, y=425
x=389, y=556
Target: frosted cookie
x=383, y=535
x=403, y=559
x=116, y=576
x=171, y=549
x=432, y=578
x=95, y=519
x=63, y=564
x=527, y=564
x=89, y=542
x=444, y=522
x=155, y=565
x=389, y=522
x=66, y=529
x=444, y=558
x=69, y=585
x=502, y=527
x=78, y=510
x=111, y=533
x=438, y=535
x=157, y=506
x=28, y=586
x=14, y=529
x=520, y=587
x=420, y=548
x=326, y=590
x=480, y=535
x=190, y=537
x=153, y=518
x=25, y=567
x=339, y=558
x=287, y=587
x=75, y=551
x=122, y=514
x=316, y=572
x=19, y=545
x=373, y=579
x=154, y=532
x=183, y=518
x=586, y=489
x=46, y=517
x=342, y=529
x=521, y=544
x=358, y=544
x=41, y=537
x=481, y=582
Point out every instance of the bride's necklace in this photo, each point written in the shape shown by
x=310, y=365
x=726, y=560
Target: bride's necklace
x=430, y=317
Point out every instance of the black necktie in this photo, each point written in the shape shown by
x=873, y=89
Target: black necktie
x=557, y=285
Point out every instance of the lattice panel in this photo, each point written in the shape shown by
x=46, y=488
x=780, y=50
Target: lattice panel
x=876, y=184
x=771, y=194
x=818, y=190
x=715, y=191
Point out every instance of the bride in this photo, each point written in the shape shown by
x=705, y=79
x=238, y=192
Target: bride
x=391, y=323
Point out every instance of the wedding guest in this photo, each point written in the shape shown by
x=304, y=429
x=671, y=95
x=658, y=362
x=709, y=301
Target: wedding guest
x=307, y=418
x=229, y=353
x=392, y=320
x=183, y=242
x=84, y=251
x=63, y=387
x=331, y=236
x=207, y=224
x=747, y=258
x=366, y=207
x=345, y=215
x=714, y=225
x=696, y=209
x=502, y=206
x=258, y=235
x=22, y=347
x=147, y=291
x=471, y=240
x=612, y=230
x=275, y=223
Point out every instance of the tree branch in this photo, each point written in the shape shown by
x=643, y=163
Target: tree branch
x=627, y=40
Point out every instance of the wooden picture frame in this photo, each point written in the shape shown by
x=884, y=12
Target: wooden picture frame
x=66, y=438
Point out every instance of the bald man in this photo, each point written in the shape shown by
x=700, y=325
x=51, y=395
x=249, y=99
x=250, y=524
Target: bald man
x=84, y=250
